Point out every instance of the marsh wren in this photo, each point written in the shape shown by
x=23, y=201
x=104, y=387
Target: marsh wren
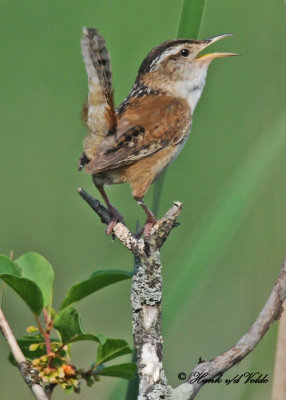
x=136, y=141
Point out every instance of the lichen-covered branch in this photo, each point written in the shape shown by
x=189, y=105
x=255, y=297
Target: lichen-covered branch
x=29, y=373
x=146, y=298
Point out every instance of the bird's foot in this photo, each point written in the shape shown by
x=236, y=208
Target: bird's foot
x=150, y=222
x=115, y=218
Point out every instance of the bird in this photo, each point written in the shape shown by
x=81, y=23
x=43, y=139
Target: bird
x=136, y=141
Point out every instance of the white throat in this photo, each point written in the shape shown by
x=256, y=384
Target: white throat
x=191, y=89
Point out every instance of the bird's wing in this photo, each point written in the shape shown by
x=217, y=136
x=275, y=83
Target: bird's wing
x=147, y=125
x=98, y=112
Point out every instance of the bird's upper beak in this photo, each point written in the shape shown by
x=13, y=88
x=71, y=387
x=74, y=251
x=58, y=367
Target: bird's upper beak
x=211, y=56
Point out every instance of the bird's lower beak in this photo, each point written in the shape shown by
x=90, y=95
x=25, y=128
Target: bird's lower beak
x=211, y=56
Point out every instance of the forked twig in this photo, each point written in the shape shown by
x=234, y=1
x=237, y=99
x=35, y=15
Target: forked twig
x=146, y=298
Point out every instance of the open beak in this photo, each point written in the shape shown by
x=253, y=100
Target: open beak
x=211, y=56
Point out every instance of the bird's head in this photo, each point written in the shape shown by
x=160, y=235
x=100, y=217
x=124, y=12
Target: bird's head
x=176, y=67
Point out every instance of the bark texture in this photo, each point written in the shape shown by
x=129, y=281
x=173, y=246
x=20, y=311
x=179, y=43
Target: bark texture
x=146, y=298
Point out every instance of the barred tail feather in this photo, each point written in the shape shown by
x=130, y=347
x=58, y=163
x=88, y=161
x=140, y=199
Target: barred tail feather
x=99, y=110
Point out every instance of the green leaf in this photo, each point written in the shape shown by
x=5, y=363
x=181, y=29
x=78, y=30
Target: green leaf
x=125, y=371
x=8, y=267
x=36, y=268
x=101, y=338
x=25, y=342
x=27, y=290
x=85, y=336
x=68, y=389
x=111, y=349
x=27, y=286
x=98, y=280
x=67, y=322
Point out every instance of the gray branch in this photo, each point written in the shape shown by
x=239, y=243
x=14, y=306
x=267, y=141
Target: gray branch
x=270, y=312
x=27, y=371
x=146, y=299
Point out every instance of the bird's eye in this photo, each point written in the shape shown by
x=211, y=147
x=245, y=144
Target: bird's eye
x=185, y=52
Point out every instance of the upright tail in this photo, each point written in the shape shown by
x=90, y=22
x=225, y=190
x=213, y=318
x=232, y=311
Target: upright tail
x=98, y=112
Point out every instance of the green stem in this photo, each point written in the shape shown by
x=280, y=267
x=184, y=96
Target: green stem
x=191, y=19
x=190, y=24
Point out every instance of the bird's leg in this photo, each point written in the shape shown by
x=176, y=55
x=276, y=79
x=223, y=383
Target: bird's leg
x=151, y=219
x=114, y=213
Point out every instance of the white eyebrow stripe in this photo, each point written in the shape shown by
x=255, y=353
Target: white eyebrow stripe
x=162, y=57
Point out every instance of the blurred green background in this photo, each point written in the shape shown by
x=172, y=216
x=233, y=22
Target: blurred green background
x=221, y=263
